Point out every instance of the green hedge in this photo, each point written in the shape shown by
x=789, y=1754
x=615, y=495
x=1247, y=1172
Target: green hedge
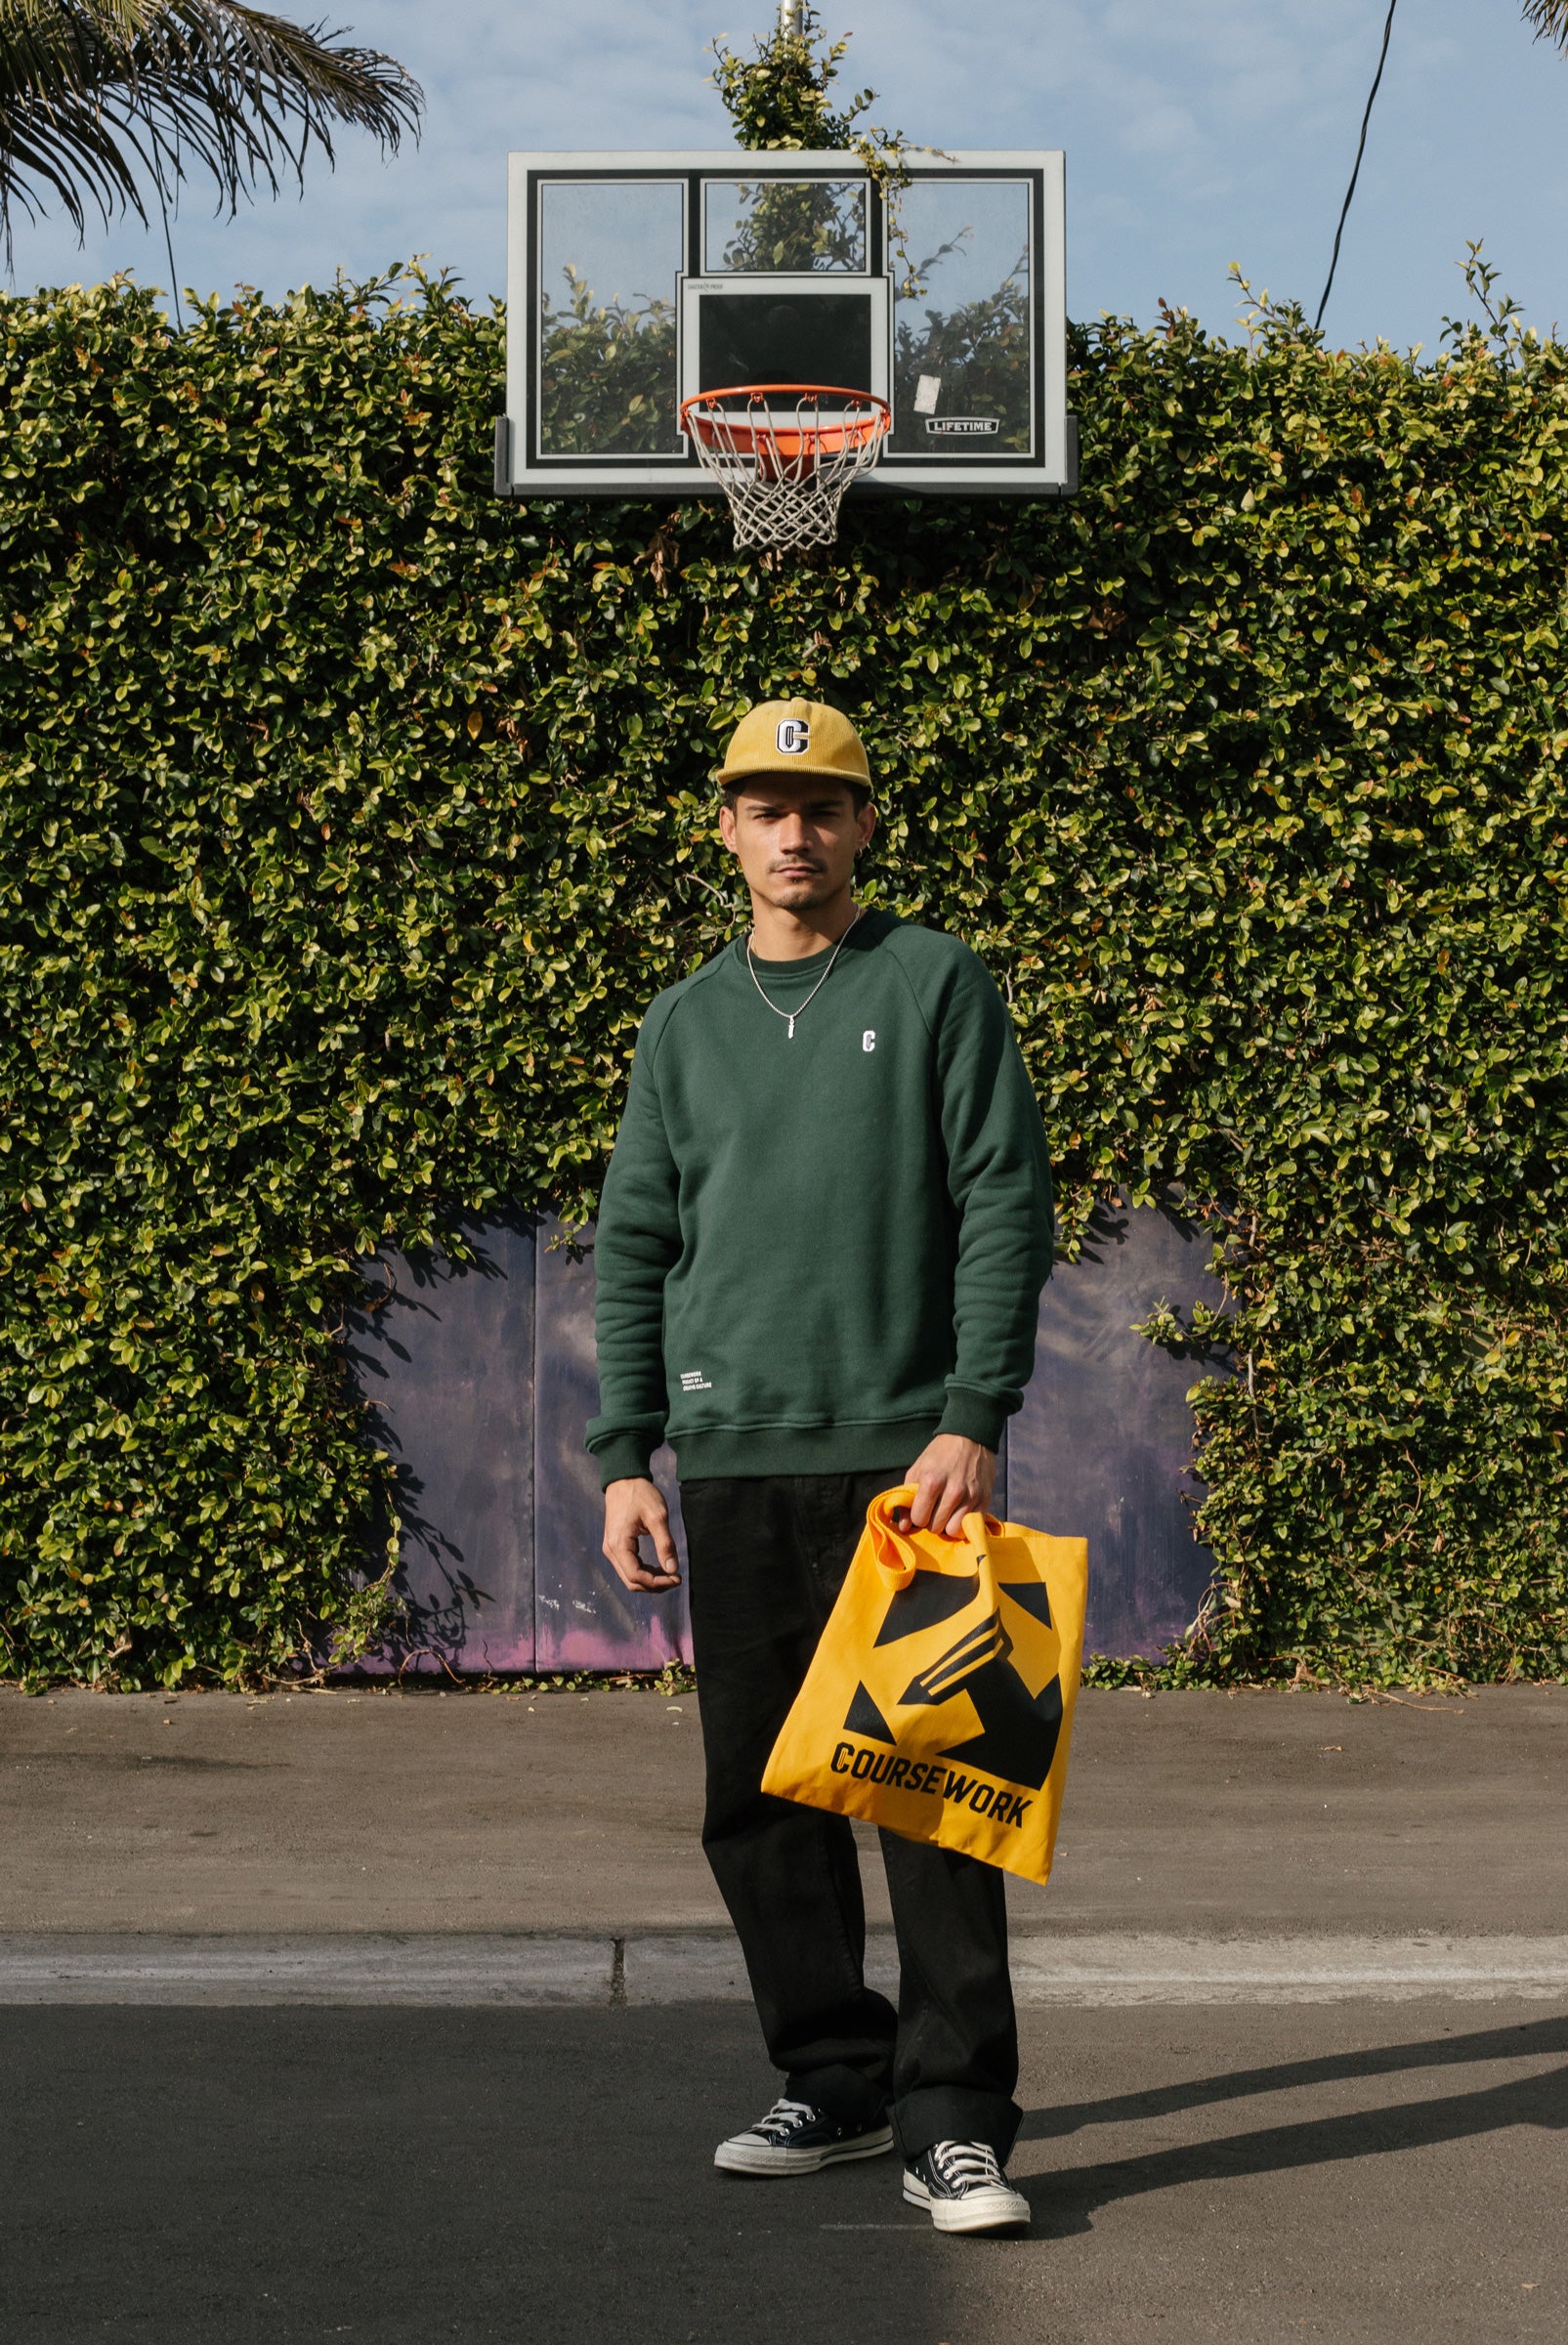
x=351, y=817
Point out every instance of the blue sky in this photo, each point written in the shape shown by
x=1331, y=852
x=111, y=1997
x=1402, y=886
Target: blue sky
x=1198, y=132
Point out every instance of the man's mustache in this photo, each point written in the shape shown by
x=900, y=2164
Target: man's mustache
x=799, y=863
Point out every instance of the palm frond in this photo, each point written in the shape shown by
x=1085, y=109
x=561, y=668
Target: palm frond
x=94, y=94
x=1550, y=20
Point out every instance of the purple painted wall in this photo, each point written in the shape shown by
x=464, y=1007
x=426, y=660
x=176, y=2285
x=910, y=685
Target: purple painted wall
x=446, y=1364
x=584, y=1617
x=482, y=1379
x=1102, y=1446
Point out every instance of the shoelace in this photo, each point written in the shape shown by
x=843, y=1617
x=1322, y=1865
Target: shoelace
x=967, y=2165
x=784, y=2118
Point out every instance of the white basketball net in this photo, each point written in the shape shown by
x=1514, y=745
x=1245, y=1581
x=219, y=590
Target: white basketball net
x=784, y=453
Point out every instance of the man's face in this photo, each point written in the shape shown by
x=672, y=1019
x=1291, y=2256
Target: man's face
x=795, y=839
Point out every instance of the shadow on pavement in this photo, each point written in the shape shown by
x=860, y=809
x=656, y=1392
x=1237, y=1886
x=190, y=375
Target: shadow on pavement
x=396, y=2177
x=1451, y=2049
x=1064, y=2200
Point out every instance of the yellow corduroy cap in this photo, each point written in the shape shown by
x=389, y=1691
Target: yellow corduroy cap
x=794, y=736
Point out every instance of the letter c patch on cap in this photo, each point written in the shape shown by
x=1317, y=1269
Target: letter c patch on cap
x=794, y=735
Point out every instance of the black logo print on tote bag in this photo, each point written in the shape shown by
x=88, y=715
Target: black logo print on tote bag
x=1018, y=1730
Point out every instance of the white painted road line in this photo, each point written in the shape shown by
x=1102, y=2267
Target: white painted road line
x=372, y=1967
x=652, y=1968
x=1094, y=1971
x=1088, y=1971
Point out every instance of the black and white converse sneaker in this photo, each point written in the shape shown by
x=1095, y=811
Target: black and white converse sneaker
x=794, y=2138
x=964, y=2189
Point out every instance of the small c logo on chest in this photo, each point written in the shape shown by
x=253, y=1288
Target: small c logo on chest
x=869, y=1038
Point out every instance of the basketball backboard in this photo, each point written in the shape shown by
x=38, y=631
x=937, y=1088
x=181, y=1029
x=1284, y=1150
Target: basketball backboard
x=637, y=281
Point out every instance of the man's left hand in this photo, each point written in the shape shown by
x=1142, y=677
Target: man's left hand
x=953, y=1477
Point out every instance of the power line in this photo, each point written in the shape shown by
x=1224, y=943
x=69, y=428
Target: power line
x=168, y=240
x=1383, y=58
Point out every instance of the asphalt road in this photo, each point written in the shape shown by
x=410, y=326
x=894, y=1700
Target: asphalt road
x=1240, y=2176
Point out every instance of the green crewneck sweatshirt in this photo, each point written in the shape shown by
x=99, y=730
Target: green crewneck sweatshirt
x=813, y=1255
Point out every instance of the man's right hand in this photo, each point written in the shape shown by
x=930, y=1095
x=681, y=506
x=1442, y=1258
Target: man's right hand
x=635, y=1511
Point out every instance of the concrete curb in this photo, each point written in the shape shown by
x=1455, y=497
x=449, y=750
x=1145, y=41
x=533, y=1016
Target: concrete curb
x=650, y=1968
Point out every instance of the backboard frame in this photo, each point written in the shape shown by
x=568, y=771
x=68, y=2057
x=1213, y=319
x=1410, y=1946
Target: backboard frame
x=523, y=468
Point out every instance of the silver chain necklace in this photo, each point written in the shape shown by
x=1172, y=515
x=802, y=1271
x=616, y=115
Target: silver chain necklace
x=790, y=1015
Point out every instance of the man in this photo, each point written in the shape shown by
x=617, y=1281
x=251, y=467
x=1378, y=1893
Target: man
x=820, y=1247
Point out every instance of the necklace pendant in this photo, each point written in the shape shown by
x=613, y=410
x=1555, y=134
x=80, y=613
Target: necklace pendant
x=790, y=1036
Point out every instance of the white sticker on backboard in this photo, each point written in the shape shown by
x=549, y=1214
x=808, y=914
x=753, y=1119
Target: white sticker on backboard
x=927, y=391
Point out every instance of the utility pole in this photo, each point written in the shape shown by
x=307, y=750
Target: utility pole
x=791, y=14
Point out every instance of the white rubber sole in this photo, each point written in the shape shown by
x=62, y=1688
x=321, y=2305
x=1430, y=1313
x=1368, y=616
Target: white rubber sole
x=741, y=2156
x=976, y=2210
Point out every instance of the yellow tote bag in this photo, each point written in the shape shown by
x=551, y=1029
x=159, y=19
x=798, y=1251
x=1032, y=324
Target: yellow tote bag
x=939, y=1700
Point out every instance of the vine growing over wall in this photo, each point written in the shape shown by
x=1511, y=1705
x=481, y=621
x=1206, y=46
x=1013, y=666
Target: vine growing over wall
x=349, y=818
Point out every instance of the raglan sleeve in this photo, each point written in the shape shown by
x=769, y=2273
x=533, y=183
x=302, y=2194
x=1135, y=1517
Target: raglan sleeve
x=1000, y=1180
x=636, y=1246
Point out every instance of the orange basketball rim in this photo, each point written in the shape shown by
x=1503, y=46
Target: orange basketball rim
x=784, y=453
x=741, y=415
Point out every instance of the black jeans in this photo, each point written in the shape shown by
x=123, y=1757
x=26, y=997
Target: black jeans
x=767, y=1557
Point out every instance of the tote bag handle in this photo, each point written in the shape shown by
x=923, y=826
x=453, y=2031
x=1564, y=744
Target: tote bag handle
x=898, y=1557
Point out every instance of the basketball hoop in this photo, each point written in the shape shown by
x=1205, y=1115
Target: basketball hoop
x=784, y=455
